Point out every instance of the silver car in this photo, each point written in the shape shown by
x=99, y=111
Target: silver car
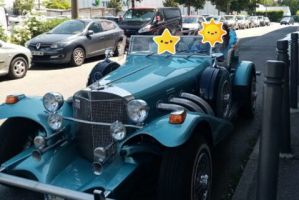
x=15, y=60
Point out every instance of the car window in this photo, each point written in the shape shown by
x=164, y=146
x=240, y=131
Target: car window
x=95, y=27
x=106, y=25
x=139, y=15
x=69, y=27
x=172, y=13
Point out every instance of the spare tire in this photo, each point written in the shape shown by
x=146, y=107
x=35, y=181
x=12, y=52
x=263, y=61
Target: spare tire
x=100, y=70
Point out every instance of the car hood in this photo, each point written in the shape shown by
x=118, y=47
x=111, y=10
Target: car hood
x=20, y=48
x=145, y=77
x=191, y=25
x=52, y=38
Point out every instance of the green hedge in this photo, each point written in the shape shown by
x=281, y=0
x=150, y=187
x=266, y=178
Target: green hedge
x=274, y=16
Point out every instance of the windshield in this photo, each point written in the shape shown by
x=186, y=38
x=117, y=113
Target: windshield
x=190, y=45
x=69, y=27
x=240, y=17
x=189, y=20
x=229, y=17
x=139, y=15
x=260, y=17
x=286, y=18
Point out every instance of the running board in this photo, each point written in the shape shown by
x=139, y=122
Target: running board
x=49, y=189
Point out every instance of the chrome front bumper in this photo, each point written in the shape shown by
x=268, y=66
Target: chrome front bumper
x=49, y=189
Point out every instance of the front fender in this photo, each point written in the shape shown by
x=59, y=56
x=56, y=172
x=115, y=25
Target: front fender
x=172, y=135
x=31, y=108
x=243, y=73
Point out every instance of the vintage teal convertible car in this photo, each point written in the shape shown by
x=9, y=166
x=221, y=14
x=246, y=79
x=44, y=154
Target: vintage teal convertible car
x=146, y=128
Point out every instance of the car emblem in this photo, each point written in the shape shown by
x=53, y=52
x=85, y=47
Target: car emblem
x=37, y=46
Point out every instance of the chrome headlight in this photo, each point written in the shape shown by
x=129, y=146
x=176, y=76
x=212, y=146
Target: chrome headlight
x=137, y=110
x=39, y=142
x=55, y=121
x=52, y=101
x=118, y=130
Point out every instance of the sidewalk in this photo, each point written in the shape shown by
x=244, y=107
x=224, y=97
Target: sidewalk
x=288, y=180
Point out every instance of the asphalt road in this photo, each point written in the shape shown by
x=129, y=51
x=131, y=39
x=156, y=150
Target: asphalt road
x=256, y=44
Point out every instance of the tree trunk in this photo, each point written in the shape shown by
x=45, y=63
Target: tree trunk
x=189, y=8
x=133, y=3
x=75, y=10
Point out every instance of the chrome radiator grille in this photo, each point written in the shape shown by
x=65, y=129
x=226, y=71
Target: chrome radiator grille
x=97, y=106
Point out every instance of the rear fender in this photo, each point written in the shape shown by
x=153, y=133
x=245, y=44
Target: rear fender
x=32, y=108
x=172, y=135
x=243, y=73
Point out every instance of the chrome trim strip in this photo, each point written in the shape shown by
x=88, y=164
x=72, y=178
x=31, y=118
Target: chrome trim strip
x=98, y=123
x=43, y=188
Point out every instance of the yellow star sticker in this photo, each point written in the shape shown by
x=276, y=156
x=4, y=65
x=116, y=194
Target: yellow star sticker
x=166, y=42
x=212, y=32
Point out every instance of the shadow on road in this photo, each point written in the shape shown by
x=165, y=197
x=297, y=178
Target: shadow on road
x=40, y=66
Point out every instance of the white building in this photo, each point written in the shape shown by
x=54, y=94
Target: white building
x=286, y=10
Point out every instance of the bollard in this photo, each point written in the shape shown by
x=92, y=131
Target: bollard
x=294, y=71
x=285, y=136
x=269, y=142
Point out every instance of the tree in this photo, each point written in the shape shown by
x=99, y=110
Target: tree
x=20, y=6
x=197, y=4
x=116, y=4
x=57, y=4
x=133, y=3
x=293, y=4
x=170, y=3
x=222, y=5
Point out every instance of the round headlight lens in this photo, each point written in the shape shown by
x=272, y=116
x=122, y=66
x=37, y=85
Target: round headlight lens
x=137, y=110
x=39, y=142
x=118, y=130
x=52, y=101
x=55, y=121
x=99, y=153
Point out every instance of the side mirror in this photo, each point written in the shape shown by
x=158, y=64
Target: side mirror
x=108, y=53
x=89, y=32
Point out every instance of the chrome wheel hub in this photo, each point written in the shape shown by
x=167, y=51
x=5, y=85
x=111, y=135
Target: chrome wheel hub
x=78, y=56
x=19, y=67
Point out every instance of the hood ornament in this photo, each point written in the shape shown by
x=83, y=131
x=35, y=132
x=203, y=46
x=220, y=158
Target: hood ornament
x=37, y=46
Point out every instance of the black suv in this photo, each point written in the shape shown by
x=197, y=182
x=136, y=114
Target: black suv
x=151, y=21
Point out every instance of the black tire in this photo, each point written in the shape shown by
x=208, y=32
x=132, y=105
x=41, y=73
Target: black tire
x=223, y=101
x=248, y=109
x=100, y=70
x=15, y=135
x=18, y=67
x=78, y=56
x=119, y=49
x=185, y=170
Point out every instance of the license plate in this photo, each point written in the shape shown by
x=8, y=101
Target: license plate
x=37, y=53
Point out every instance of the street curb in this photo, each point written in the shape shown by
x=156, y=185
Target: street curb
x=245, y=188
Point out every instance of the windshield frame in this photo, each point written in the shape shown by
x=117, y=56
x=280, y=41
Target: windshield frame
x=140, y=53
x=191, y=20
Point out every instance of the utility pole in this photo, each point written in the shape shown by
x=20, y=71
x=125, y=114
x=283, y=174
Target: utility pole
x=75, y=10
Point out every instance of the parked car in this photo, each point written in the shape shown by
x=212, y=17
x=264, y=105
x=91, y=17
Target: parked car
x=109, y=17
x=74, y=40
x=216, y=18
x=261, y=20
x=192, y=24
x=231, y=21
x=254, y=21
x=242, y=22
x=151, y=21
x=267, y=21
x=287, y=20
x=15, y=60
x=131, y=129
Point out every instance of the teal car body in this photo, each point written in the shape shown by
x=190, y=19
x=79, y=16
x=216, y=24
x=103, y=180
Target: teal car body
x=68, y=161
